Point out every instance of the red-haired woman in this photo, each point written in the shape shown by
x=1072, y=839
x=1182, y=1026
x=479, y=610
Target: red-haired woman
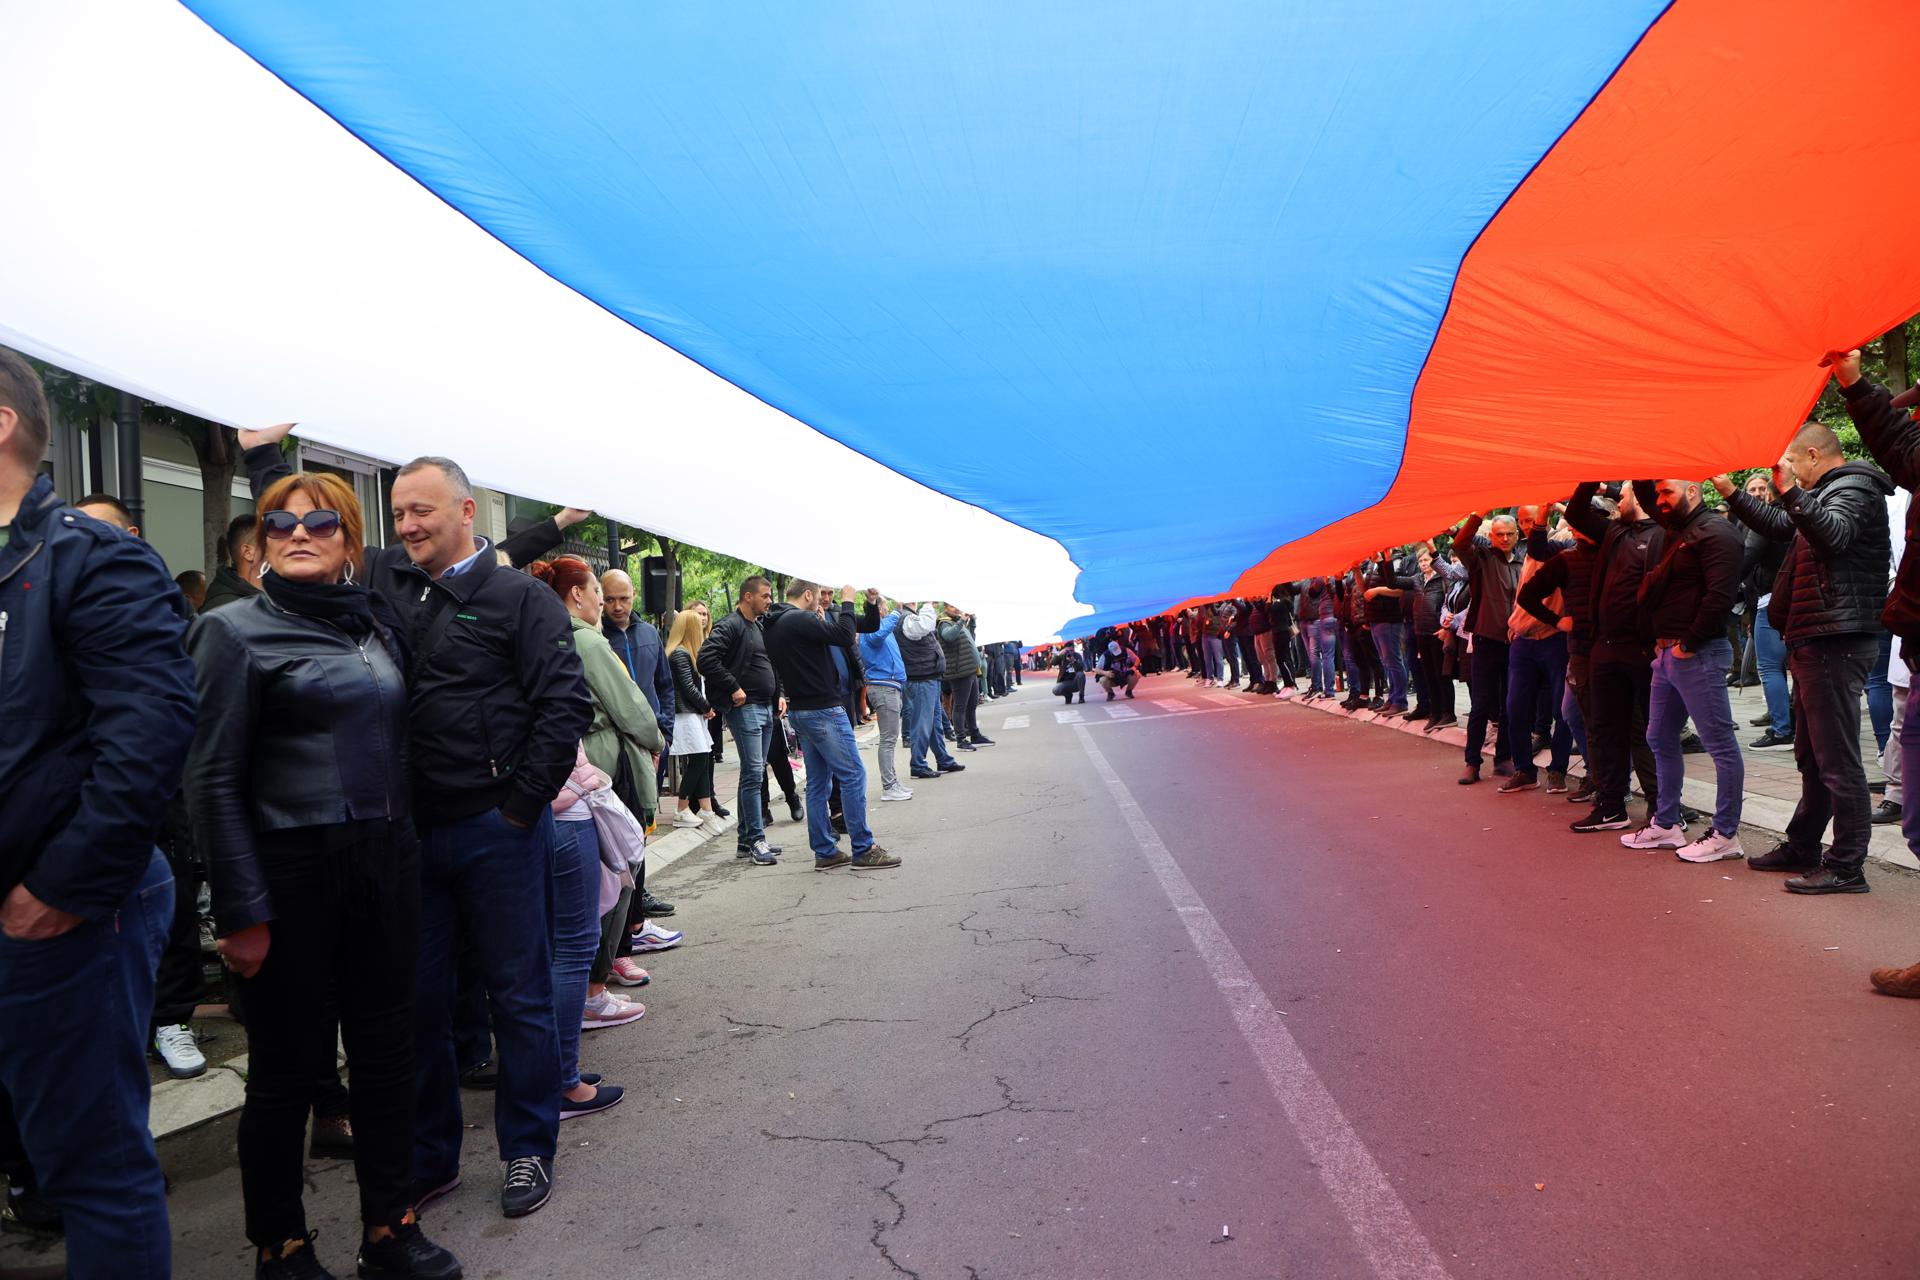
x=298, y=790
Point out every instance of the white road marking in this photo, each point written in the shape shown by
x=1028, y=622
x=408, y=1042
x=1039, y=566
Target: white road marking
x=1119, y=712
x=1226, y=699
x=1381, y=1224
x=1016, y=722
x=1065, y=716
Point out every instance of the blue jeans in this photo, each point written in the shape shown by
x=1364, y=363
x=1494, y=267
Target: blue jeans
x=921, y=709
x=1210, y=657
x=1323, y=639
x=1576, y=725
x=1880, y=692
x=74, y=1014
x=748, y=724
x=576, y=934
x=485, y=879
x=1534, y=665
x=1696, y=687
x=1389, y=641
x=826, y=743
x=1770, y=655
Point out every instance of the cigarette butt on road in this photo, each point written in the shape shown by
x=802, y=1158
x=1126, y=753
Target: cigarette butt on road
x=1539, y=1186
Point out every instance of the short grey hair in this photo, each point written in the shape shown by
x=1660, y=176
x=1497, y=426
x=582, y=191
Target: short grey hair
x=456, y=477
x=1503, y=520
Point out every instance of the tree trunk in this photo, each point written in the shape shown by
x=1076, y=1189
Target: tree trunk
x=217, y=449
x=1895, y=346
x=670, y=560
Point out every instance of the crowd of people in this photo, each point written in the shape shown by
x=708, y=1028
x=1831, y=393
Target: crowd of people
x=417, y=780
x=1606, y=625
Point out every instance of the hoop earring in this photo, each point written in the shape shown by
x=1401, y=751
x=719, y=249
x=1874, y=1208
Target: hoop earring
x=347, y=577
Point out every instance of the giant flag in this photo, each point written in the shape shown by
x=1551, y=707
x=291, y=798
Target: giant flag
x=1064, y=311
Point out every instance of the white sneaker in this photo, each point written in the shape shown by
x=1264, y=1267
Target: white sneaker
x=1655, y=836
x=1286, y=693
x=653, y=938
x=713, y=824
x=609, y=1010
x=896, y=792
x=1712, y=847
x=175, y=1046
x=687, y=818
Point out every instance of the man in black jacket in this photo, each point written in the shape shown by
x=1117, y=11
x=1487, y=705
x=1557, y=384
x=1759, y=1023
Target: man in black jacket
x=96, y=713
x=741, y=680
x=1493, y=572
x=1892, y=436
x=239, y=577
x=801, y=645
x=1826, y=604
x=496, y=707
x=1684, y=602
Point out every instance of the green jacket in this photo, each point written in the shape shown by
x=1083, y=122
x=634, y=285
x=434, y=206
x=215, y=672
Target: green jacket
x=963, y=657
x=621, y=716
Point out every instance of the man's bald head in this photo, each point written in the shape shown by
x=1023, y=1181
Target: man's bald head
x=1814, y=452
x=617, y=587
x=1817, y=438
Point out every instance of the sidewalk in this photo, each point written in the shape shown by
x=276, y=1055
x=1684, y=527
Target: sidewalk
x=182, y=1105
x=1773, y=782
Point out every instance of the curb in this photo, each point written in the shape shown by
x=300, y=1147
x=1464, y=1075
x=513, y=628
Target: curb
x=1765, y=813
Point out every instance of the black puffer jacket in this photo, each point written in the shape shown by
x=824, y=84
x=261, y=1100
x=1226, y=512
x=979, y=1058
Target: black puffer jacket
x=301, y=725
x=1833, y=581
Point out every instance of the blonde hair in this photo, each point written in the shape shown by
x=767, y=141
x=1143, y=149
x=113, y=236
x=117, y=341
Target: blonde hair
x=689, y=633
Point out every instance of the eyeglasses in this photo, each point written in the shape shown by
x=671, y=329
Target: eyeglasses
x=281, y=524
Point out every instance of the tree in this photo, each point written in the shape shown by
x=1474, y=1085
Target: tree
x=217, y=449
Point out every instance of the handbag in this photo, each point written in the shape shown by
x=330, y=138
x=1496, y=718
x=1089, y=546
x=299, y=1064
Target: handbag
x=623, y=842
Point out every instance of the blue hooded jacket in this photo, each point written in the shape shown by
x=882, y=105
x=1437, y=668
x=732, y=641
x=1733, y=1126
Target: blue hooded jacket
x=880, y=654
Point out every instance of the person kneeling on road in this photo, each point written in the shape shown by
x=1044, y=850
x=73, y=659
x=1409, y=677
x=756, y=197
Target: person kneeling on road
x=1119, y=669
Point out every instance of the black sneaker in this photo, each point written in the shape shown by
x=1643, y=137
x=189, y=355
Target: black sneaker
x=1784, y=857
x=1885, y=813
x=1603, y=820
x=838, y=823
x=1770, y=741
x=652, y=908
x=29, y=1211
x=981, y=740
x=481, y=1075
x=527, y=1186
x=332, y=1138
x=1828, y=880
x=953, y=766
x=923, y=773
x=1690, y=743
x=407, y=1254
x=295, y=1261
x=795, y=810
x=964, y=745
x=1761, y=722
x=1584, y=795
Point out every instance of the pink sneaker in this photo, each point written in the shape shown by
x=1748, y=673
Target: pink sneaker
x=628, y=973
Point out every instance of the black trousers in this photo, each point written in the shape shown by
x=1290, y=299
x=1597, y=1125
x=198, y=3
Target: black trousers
x=696, y=775
x=1619, y=683
x=1489, y=690
x=346, y=903
x=779, y=766
x=1828, y=678
x=1367, y=676
x=1432, y=654
x=1250, y=659
x=965, y=693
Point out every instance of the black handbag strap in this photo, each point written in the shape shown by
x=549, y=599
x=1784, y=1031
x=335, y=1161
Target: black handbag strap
x=426, y=637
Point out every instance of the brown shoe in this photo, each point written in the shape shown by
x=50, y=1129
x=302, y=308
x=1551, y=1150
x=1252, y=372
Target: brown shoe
x=1471, y=776
x=875, y=859
x=1897, y=982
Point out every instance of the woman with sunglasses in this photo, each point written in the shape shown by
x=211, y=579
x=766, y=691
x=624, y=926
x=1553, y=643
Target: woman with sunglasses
x=299, y=795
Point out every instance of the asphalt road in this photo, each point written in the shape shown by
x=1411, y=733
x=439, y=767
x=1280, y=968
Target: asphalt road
x=1221, y=988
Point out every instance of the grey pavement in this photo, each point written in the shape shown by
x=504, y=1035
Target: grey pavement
x=1210, y=985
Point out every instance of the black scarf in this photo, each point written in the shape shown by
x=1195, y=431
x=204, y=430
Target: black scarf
x=347, y=605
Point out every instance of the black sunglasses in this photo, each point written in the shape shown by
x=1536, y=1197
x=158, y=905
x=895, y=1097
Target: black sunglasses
x=281, y=524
